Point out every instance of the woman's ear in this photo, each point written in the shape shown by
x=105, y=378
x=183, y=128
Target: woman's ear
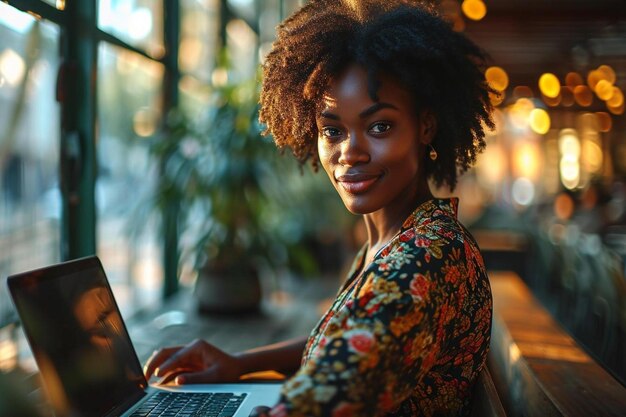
x=428, y=126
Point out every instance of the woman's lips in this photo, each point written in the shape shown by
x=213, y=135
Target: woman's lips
x=357, y=184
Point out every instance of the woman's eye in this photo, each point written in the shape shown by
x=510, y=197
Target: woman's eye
x=331, y=132
x=380, y=127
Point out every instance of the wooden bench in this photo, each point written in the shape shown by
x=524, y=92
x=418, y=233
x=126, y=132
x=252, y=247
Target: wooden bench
x=538, y=369
x=486, y=401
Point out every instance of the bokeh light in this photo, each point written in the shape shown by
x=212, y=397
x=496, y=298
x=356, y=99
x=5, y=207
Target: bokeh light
x=572, y=79
x=140, y=24
x=569, y=166
x=474, y=9
x=539, y=121
x=592, y=156
x=492, y=165
x=568, y=143
x=519, y=113
x=497, y=78
x=593, y=78
x=583, y=95
x=523, y=191
x=617, y=110
x=549, y=85
x=607, y=73
x=570, y=173
x=563, y=206
x=12, y=66
x=617, y=98
x=604, y=90
x=526, y=159
x=144, y=122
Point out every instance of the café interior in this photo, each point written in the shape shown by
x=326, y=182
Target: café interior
x=128, y=130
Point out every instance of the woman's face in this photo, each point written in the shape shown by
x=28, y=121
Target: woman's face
x=370, y=149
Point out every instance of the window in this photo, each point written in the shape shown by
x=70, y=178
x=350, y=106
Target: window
x=83, y=85
x=60, y=161
x=30, y=200
x=129, y=109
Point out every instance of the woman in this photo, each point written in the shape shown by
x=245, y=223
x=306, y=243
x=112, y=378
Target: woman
x=384, y=95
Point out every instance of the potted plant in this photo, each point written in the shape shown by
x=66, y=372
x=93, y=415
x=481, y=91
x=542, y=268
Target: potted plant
x=219, y=170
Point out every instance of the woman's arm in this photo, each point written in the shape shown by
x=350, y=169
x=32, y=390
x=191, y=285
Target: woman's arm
x=282, y=357
x=201, y=362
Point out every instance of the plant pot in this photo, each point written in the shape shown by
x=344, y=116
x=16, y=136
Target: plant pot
x=224, y=290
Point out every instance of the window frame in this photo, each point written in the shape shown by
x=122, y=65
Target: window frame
x=77, y=96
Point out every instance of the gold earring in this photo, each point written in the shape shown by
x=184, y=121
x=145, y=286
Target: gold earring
x=433, y=153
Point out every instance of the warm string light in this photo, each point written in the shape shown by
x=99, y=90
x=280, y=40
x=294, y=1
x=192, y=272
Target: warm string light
x=549, y=85
x=602, y=82
x=575, y=90
x=474, y=9
x=583, y=95
x=498, y=79
x=569, y=166
x=524, y=113
x=539, y=121
x=453, y=12
x=579, y=154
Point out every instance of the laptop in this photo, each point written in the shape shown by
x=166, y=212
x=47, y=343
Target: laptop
x=86, y=359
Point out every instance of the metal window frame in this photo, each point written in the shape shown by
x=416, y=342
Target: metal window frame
x=78, y=77
x=76, y=89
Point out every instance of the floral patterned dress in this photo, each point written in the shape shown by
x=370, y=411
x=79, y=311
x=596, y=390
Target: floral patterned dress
x=407, y=334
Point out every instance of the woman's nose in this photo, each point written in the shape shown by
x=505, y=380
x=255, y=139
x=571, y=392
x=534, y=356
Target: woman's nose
x=353, y=150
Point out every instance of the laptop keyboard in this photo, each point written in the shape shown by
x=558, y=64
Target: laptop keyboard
x=190, y=404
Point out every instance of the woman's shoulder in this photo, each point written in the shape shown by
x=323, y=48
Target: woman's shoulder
x=432, y=228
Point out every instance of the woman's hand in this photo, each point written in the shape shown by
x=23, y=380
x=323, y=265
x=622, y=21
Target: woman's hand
x=196, y=362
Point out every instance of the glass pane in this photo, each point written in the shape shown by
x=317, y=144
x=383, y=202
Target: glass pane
x=199, y=37
x=30, y=200
x=129, y=97
x=137, y=22
x=243, y=44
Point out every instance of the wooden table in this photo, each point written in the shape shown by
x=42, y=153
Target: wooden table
x=285, y=315
x=538, y=369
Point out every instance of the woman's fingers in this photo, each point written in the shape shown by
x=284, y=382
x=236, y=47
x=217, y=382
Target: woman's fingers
x=157, y=358
x=204, y=377
x=194, y=356
x=196, y=362
x=171, y=376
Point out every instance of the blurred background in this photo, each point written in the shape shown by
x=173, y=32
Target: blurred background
x=128, y=130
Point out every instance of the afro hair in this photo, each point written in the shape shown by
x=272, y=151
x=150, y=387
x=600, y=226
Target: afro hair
x=407, y=40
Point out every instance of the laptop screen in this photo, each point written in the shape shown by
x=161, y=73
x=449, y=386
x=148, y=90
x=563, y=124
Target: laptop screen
x=78, y=338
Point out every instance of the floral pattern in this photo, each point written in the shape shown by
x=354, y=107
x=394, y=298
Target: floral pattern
x=407, y=334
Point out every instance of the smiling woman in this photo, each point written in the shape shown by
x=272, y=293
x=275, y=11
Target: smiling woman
x=363, y=144
x=385, y=96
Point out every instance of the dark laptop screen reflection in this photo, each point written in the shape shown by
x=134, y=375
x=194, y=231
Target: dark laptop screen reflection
x=88, y=348
x=99, y=318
